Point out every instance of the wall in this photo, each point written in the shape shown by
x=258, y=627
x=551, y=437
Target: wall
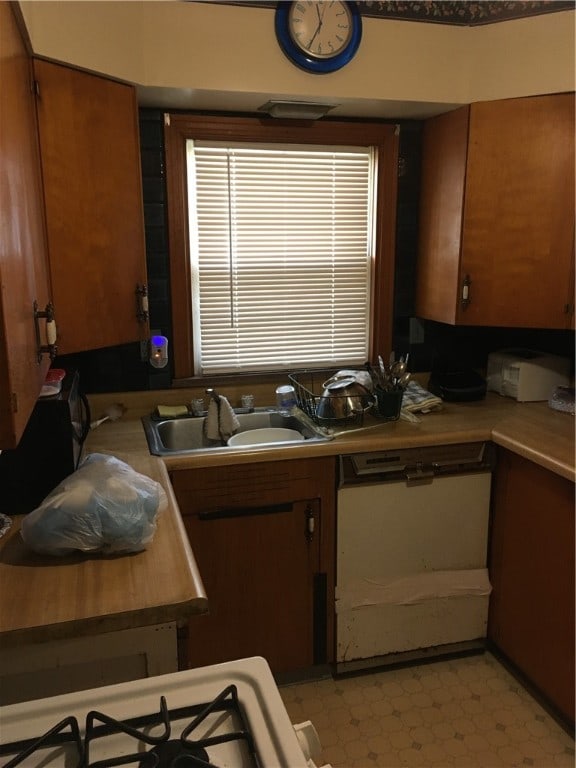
x=402, y=66
x=199, y=48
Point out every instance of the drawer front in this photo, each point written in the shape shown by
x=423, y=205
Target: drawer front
x=250, y=485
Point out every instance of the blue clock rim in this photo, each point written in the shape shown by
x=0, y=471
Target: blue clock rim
x=309, y=63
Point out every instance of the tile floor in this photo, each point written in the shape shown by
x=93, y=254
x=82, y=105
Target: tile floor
x=461, y=713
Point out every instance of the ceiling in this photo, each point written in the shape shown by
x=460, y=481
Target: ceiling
x=219, y=101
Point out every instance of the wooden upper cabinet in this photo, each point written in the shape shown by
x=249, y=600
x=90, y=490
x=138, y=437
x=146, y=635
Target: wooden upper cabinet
x=497, y=215
x=94, y=212
x=23, y=270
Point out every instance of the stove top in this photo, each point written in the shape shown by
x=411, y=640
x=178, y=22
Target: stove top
x=227, y=715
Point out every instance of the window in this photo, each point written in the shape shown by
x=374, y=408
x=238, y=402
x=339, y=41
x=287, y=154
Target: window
x=281, y=243
x=281, y=255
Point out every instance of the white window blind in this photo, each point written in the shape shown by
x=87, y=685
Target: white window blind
x=281, y=244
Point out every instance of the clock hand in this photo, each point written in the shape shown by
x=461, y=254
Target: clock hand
x=318, y=28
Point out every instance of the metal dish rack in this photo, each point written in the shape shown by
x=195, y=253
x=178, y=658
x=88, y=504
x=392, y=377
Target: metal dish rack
x=308, y=386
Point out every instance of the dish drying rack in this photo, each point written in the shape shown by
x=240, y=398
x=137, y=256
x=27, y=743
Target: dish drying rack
x=308, y=386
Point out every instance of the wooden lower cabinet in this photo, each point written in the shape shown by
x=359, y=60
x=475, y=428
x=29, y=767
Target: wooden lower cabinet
x=263, y=538
x=531, y=620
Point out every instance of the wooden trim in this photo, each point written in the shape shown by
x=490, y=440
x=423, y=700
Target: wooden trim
x=179, y=253
x=179, y=127
x=383, y=292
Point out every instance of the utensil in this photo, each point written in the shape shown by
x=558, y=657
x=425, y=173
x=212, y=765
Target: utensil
x=397, y=370
x=402, y=381
x=384, y=373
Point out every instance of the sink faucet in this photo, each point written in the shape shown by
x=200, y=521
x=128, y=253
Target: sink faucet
x=213, y=395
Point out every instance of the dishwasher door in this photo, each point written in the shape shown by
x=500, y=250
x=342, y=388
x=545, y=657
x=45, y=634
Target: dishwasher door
x=411, y=566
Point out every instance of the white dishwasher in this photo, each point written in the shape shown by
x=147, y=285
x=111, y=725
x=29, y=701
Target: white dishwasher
x=412, y=538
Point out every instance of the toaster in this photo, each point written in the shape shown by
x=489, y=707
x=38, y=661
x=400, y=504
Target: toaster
x=526, y=374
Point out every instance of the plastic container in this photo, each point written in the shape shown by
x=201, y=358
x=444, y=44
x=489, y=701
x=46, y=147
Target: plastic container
x=285, y=398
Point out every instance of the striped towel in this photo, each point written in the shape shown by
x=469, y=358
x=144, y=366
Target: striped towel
x=418, y=400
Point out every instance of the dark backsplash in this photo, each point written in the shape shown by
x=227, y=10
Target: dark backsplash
x=120, y=369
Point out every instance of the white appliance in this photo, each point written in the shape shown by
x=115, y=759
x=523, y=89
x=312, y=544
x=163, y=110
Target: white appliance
x=230, y=715
x=412, y=537
x=525, y=374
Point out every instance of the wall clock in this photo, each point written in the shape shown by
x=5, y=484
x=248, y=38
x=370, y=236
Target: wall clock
x=319, y=36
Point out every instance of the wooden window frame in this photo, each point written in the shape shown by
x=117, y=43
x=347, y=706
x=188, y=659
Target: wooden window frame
x=178, y=128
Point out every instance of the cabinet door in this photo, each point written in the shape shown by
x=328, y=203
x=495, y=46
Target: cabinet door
x=444, y=152
x=531, y=616
x=518, y=227
x=263, y=535
x=497, y=215
x=94, y=211
x=260, y=567
x=23, y=270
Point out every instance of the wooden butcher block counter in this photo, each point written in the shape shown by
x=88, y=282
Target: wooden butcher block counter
x=54, y=598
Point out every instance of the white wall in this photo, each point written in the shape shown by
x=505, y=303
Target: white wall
x=203, y=51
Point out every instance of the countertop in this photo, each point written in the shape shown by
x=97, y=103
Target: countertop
x=52, y=598
x=532, y=430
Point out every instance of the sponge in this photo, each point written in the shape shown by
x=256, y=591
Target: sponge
x=171, y=411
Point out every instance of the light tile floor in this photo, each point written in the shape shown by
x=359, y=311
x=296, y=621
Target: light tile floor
x=461, y=713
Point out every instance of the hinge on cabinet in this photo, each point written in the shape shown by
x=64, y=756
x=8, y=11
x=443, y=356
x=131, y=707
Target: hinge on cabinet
x=568, y=309
x=310, y=522
x=465, y=296
x=14, y=402
x=142, y=313
x=166, y=120
x=36, y=88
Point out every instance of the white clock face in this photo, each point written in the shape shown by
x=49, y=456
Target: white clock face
x=321, y=28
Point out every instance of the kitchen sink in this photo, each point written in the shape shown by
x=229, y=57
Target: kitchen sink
x=167, y=437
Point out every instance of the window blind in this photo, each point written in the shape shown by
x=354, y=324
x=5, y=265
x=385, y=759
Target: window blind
x=281, y=245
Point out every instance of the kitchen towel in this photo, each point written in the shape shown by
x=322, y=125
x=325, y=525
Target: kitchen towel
x=221, y=421
x=418, y=400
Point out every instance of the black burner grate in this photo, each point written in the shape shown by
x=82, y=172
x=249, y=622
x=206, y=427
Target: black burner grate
x=182, y=752
x=56, y=736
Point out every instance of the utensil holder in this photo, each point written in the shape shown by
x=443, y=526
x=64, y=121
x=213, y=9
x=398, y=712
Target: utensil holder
x=388, y=403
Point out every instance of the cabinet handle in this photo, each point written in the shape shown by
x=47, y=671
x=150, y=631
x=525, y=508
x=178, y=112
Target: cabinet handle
x=465, y=295
x=142, y=303
x=50, y=347
x=220, y=514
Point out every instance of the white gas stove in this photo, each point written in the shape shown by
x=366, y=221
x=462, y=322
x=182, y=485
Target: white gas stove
x=226, y=715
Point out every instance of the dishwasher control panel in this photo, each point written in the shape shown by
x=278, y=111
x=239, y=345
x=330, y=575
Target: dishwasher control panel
x=415, y=463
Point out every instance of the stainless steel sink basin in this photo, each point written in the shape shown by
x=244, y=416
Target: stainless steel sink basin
x=186, y=435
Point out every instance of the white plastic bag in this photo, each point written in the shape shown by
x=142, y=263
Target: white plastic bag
x=105, y=506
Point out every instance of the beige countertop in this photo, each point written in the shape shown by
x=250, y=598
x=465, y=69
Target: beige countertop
x=532, y=430
x=51, y=598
